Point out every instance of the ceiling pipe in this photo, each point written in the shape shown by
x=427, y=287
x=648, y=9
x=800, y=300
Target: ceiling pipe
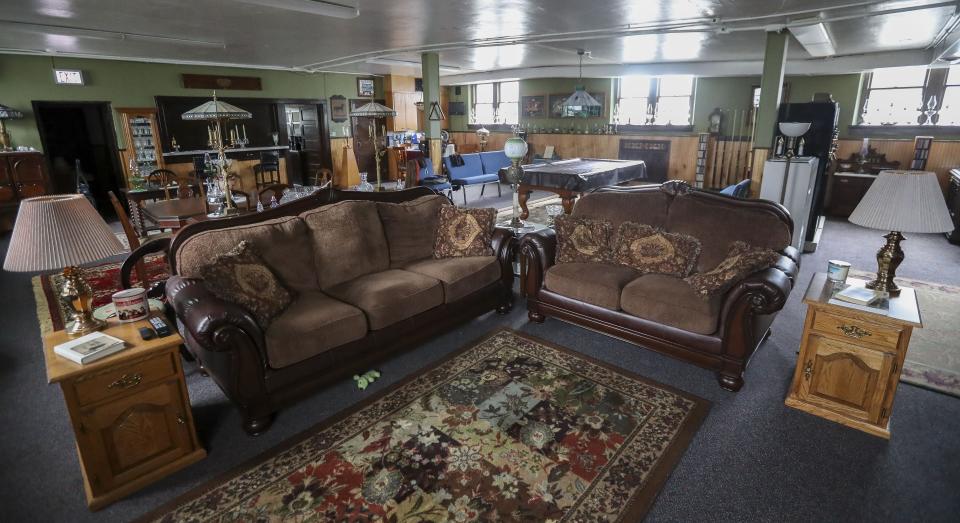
x=689, y=25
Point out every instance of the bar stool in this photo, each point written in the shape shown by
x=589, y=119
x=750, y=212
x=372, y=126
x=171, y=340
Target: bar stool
x=267, y=172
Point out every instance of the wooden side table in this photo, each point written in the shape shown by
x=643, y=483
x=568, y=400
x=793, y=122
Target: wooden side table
x=850, y=359
x=130, y=412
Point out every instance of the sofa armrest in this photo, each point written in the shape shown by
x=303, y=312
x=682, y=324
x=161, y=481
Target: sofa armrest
x=213, y=323
x=762, y=293
x=537, y=254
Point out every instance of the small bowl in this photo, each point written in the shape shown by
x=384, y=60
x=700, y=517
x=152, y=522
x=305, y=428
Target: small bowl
x=794, y=129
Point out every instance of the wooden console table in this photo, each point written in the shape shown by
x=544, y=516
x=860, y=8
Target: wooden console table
x=130, y=412
x=850, y=359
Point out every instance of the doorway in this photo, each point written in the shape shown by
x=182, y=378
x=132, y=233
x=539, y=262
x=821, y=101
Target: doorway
x=363, y=141
x=81, y=135
x=309, y=145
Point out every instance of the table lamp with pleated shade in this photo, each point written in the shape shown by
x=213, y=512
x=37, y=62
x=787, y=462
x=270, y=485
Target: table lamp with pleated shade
x=62, y=231
x=899, y=202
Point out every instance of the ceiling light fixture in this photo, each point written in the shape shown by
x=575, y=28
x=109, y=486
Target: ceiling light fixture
x=579, y=103
x=814, y=38
x=345, y=9
x=100, y=34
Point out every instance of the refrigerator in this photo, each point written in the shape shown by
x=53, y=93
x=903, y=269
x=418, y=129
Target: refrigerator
x=818, y=142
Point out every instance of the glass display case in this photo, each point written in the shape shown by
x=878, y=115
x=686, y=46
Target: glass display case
x=142, y=154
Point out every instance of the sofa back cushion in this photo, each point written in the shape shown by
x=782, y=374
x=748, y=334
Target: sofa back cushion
x=348, y=241
x=411, y=227
x=646, y=207
x=719, y=223
x=472, y=166
x=493, y=161
x=283, y=243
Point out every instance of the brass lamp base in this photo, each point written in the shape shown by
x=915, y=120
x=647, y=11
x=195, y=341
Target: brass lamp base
x=78, y=299
x=889, y=258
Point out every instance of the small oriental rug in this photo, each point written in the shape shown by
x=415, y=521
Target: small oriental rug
x=509, y=429
x=103, y=279
x=933, y=359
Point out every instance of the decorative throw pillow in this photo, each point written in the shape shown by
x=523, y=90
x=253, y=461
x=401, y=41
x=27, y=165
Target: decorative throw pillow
x=464, y=232
x=741, y=261
x=411, y=227
x=654, y=251
x=582, y=239
x=240, y=276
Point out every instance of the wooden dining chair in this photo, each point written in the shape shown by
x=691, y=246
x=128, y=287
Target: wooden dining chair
x=161, y=177
x=322, y=177
x=133, y=240
x=271, y=191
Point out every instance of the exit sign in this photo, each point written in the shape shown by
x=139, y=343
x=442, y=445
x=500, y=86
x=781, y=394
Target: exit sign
x=68, y=76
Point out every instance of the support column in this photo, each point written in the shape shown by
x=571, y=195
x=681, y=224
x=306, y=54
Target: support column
x=771, y=89
x=430, y=66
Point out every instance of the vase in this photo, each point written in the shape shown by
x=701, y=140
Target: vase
x=364, y=186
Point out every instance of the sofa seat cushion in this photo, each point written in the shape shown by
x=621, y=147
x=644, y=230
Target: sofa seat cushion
x=598, y=284
x=389, y=296
x=671, y=301
x=348, y=241
x=312, y=324
x=473, y=180
x=460, y=276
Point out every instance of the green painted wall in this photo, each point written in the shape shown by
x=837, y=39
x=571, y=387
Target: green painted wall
x=845, y=89
x=731, y=94
x=24, y=79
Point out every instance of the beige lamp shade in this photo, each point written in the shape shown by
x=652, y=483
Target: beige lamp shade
x=904, y=201
x=58, y=231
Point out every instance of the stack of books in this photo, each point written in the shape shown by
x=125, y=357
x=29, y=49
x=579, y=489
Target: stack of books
x=89, y=348
x=863, y=299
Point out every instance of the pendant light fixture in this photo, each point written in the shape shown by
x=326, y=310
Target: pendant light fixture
x=580, y=102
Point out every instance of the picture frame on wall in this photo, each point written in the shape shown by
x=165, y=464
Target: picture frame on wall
x=339, y=111
x=365, y=87
x=556, y=105
x=534, y=106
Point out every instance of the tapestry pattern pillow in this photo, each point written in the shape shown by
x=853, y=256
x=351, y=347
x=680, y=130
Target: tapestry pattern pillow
x=741, y=261
x=581, y=239
x=650, y=250
x=464, y=232
x=240, y=276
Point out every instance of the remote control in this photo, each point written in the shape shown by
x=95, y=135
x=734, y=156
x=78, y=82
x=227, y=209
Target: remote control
x=160, y=326
x=146, y=333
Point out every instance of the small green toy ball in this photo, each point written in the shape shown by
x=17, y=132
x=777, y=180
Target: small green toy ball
x=366, y=379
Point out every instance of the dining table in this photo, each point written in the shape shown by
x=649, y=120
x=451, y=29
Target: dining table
x=137, y=197
x=173, y=214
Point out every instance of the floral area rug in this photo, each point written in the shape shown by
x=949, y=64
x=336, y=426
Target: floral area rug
x=103, y=279
x=933, y=359
x=509, y=429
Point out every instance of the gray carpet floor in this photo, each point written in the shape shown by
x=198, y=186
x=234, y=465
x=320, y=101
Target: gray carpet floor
x=752, y=460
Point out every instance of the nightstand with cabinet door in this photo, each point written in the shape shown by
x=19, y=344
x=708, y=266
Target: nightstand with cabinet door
x=130, y=413
x=851, y=359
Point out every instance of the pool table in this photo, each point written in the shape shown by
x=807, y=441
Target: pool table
x=571, y=178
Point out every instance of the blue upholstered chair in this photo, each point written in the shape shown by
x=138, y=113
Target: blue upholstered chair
x=740, y=189
x=428, y=178
x=472, y=172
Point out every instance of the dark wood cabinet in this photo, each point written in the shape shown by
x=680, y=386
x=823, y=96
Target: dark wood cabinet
x=846, y=191
x=23, y=174
x=953, y=205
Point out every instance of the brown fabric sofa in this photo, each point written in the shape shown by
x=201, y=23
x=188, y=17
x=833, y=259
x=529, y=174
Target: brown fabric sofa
x=366, y=287
x=662, y=312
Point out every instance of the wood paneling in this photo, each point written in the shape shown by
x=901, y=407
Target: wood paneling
x=944, y=155
x=345, y=171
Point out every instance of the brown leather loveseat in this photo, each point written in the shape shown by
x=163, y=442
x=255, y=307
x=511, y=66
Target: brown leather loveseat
x=361, y=293
x=662, y=312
